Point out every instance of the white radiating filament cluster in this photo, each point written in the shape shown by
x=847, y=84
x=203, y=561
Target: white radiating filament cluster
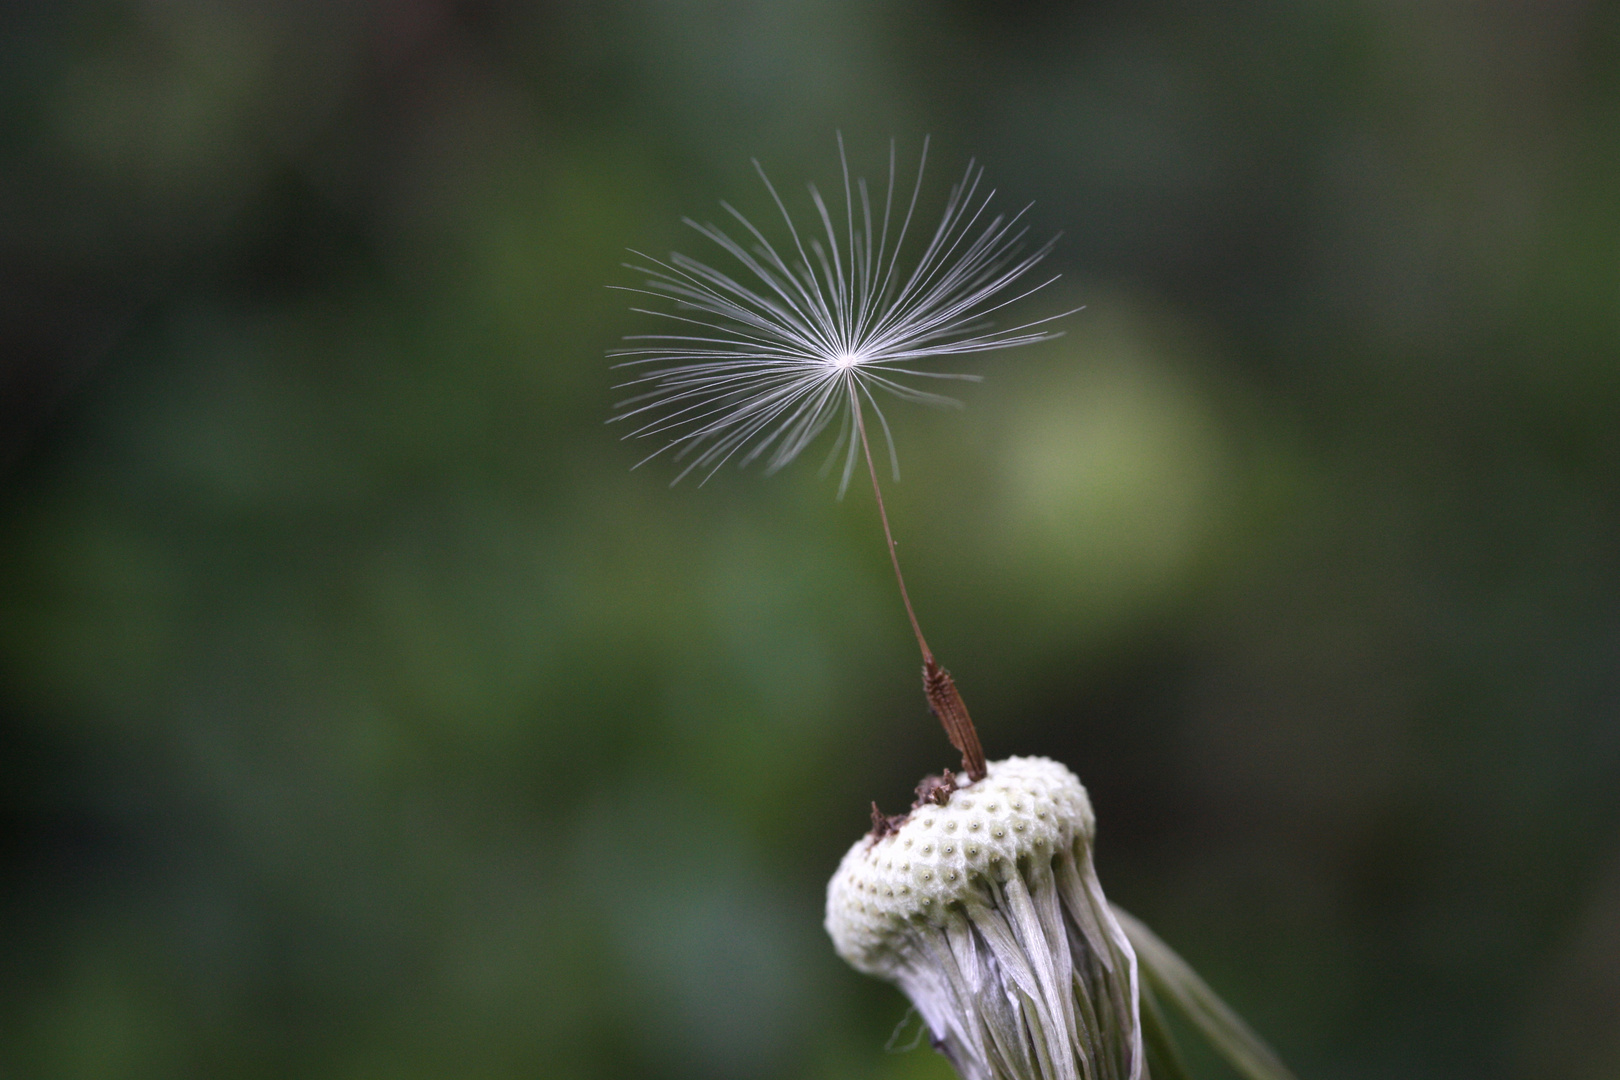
x=789, y=336
x=986, y=911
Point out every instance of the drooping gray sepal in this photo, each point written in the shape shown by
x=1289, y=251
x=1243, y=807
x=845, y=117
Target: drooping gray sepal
x=1170, y=980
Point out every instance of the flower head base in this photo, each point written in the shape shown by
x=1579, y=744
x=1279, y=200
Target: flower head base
x=983, y=907
x=797, y=334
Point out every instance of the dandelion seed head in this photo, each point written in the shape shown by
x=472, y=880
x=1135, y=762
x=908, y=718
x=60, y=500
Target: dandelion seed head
x=1006, y=944
x=795, y=330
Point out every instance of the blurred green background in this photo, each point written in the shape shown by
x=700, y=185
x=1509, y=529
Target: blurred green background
x=362, y=715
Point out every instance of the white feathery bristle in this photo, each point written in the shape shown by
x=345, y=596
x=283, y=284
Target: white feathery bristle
x=793, y=335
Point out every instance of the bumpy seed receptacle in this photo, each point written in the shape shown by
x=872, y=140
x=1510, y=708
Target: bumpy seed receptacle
x=987, y=913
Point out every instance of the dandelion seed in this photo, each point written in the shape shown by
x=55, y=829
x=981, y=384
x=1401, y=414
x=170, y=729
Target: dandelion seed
x=781, y=346
x=802, y=333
